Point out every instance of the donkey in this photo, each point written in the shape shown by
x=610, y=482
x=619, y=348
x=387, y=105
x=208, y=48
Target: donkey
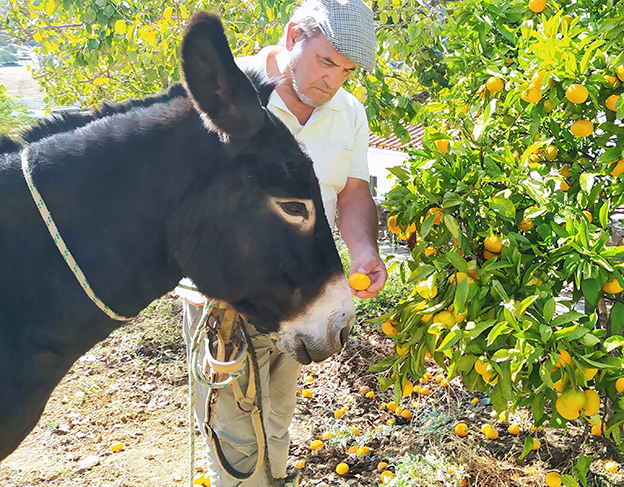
x=201, y=182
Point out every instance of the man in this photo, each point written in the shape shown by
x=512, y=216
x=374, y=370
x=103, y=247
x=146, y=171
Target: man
x=323, y=44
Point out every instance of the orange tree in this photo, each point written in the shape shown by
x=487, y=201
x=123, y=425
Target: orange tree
x=511, y=197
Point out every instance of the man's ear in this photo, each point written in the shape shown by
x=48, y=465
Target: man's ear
x=293, y=33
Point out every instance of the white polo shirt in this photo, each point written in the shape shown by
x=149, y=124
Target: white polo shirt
x=335, y=137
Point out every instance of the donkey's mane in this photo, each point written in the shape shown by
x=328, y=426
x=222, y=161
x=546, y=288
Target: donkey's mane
x=67, y=122
x=70, y=121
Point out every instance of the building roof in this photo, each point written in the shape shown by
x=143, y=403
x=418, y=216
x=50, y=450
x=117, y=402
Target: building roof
x=394, y=143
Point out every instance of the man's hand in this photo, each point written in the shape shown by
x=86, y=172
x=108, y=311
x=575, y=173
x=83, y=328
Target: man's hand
x=371, y=265
x=358, y=225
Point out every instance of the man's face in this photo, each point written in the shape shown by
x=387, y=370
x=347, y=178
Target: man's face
x=318, y=70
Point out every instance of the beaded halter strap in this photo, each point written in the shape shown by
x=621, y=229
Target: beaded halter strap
x=60, y=243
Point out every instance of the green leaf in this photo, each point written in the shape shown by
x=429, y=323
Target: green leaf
x=567, y=318
x=545, y=332
x=453, y=226
x=549, y=309
x=528, y=447
x=613, y=342
x=592, y=289
x=451, y=339
x=537, y=407
x=503, y=206
x=500, y=329
x=461, y=296
x=617, y=318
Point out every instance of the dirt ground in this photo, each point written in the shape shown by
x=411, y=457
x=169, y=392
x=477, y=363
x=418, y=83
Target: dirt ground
x=132, y=389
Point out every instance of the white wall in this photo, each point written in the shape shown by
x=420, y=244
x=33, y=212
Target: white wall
x=378, y=162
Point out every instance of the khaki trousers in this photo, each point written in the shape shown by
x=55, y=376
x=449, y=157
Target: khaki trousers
x=278, y=377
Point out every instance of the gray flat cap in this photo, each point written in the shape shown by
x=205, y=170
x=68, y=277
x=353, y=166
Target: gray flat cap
x=348, y=24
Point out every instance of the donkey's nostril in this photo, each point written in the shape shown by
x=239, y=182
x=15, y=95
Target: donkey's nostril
x=344, y=335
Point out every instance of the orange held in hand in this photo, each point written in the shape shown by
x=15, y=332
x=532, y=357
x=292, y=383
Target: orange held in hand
x=359, y=281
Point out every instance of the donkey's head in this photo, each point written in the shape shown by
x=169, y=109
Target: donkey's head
x=257, y=232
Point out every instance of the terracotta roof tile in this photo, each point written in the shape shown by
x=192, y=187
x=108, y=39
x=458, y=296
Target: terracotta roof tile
x=393, y=142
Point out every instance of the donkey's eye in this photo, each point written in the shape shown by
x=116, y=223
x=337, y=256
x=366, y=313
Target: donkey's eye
x=295, y=208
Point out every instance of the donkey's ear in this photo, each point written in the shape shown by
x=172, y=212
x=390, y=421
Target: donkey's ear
x=218, y=86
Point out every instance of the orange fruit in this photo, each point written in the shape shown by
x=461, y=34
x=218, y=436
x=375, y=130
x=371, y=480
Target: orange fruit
x=549, y=106
x=408, y=389
x=300, y=464
x=115, y=447
x=564, y=186
x=611, y=79
x=551, y=152
x=339, y=413
x=200, y=480
x=386, y=477
x=618, y=169
x=620, y=72
x=480, y=366
x=590, y=373
x=565, y=412
x=564, y=358
x=611, y=467
x=537, y=6
x=536, y=444
x=491, y=433
x=391, y=422
x=429, y=251
x=355, y=431
x=553, y=479
x=365, y=389
x=391, y=406
x=612, y=287
x=619, y=384
x=526, y=224
x=316, y=445
x=492, y=244
x=442, y=145
x=485, y=427
x=381, y=466
x=342, y=468
x=532, y=96
x=392, y=224
x=514, y=429
x=435, y=211
x=596, y=430
x=565, y=171
x=588, y=215
x=445, y=318
x=407, y=414
x=363, y=450
x=359, y=281
x=370, y=394
x=389, y=330
x=573, y=399
x=611, y=101
x=494, y=84
x=307, y=393
x=582, y=128
x=425, y=390
x=487, y=255
x=461, y=429
x=577, y=93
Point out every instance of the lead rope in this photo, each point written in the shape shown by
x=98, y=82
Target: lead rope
x=60, y=243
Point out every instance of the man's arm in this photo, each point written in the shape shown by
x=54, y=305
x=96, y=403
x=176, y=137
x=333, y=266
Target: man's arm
x=359, y=226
